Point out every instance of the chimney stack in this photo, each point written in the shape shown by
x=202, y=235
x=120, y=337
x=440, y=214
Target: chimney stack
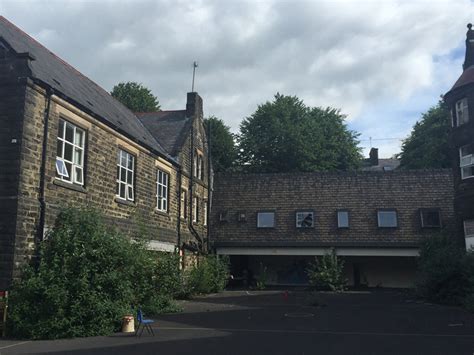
x=194, y=105
x=374, y=156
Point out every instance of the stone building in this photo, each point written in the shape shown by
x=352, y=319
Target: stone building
x=460, y=99
x=65, y=141
x=375, y=219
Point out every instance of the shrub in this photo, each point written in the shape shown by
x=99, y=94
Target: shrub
x=326, y=273
x=444, y=271
x=86, y=280
x=210, y=275
x=262, y=277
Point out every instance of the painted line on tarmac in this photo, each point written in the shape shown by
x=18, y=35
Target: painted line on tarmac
x=325, y=332
x=12, y=345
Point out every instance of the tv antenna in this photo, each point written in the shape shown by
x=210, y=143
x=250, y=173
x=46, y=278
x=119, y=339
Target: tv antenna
x=195, y=65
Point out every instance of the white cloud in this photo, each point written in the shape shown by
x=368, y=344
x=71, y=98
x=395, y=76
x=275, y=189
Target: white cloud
x=357, y=56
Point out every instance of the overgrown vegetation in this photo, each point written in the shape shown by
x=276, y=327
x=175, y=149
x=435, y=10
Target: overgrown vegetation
x=445, y=272
x=262, y=277
x=89, y=276
x=210, y=275
x=326, y=273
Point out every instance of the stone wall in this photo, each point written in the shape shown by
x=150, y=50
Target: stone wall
x=99, y=190
x=361, y=193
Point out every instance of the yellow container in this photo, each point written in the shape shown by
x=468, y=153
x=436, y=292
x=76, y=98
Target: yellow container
x=128, y=324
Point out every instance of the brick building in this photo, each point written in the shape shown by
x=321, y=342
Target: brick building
x=376, y=220
x=460, y=99
x=65, y=141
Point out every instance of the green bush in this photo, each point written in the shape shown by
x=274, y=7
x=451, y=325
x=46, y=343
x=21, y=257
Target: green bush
x=326, y=273
x=86, y=280
x=210, y=275
x=444, y=271
x=262, y=277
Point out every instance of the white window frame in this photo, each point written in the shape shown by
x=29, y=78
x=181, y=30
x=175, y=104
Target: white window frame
x=339, y=223
x=184, y=200
x=75, y=173
x=469, y=234
x=204, y=222
x=195, y=165
x=462, y=112
x=162, y=190
x=299, y=218
x=379, y=212
x=125, y=169
x=200, y=167
x=466, y=161
x=468, y=228
x=261, y=225
x=195, y=209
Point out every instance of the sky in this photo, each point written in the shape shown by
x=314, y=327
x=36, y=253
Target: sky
x=382, y=63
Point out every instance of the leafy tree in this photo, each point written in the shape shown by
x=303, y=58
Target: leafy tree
x=427, y=145
x=136, y=97
x=223, y=150
x=287, y=136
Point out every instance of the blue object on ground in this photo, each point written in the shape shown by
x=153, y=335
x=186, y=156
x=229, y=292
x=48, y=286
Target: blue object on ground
x=144, y=323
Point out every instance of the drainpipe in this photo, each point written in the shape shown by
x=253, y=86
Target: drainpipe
x=44, y=156
x=209, y=185
x=180, y=191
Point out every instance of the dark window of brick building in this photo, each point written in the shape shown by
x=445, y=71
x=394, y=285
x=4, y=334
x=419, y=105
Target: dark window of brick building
x=265, y=219
x=462, y=112
x=430, y=218
x=387, y=218
x=342, y=219
x=304, y=219
x=466, y=161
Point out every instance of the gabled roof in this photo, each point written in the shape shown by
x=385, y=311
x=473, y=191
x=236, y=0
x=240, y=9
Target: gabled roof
x=467, y=77
x=169, y=127
x=62, y=77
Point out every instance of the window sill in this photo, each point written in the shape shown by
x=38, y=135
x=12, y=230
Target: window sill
x=124, y=202
x=74, y=187
x=161, y=213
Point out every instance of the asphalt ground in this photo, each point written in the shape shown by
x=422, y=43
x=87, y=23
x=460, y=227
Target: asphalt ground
x=276, y=322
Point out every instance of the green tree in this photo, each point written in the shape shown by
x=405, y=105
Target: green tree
x=223, y=150
x=427, y=145
x=286, y=136
x=136, y=97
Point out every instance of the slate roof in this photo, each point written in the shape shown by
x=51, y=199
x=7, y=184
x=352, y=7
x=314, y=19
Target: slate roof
x=467, y=77
x=169, y=127
x=383, y=165
x=62, y=77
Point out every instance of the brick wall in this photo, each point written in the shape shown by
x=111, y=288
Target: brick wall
x=460, y=136
x=361, y=193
